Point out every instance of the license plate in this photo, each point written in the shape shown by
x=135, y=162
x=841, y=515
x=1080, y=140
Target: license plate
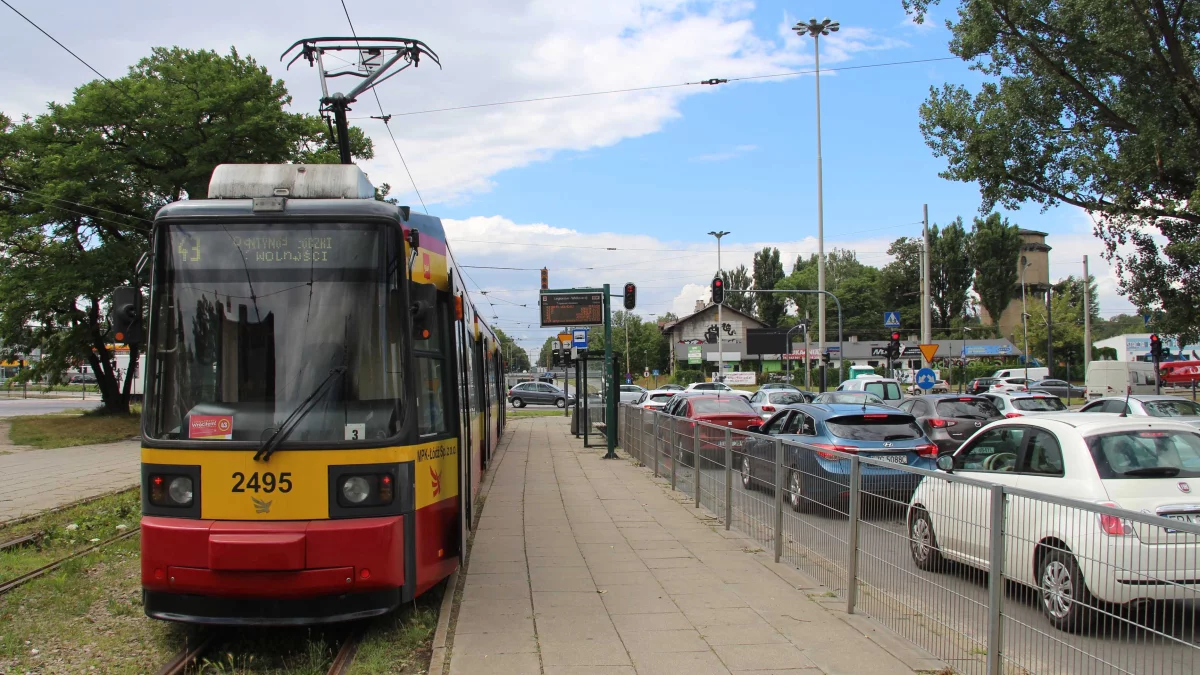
x=1193, y=518
x=894, y=459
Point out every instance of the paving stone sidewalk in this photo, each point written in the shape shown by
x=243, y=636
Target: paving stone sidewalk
x=582, y=566
x=35, y=480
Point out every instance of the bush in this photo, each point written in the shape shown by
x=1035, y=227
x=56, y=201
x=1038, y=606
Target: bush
x=686, y=377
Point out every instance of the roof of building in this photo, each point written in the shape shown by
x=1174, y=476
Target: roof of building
x=710, y=305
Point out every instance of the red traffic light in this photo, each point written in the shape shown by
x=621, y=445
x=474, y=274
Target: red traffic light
x=1154, y=338
x=717, y=283
x=895, y=336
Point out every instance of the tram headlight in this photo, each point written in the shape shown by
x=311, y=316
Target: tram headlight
x=356, y=489
x=171, y=490
x=365, y=489
x=180, y=490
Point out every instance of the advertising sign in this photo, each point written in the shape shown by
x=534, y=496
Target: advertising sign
x=741, y=377
x=695, y=354
x=210, y=427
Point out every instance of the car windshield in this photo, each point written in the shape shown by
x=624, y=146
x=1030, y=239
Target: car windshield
x=716, y=406
x=857, y=397
x=884, y=390
x=661, y=397
x=1039, y=404
x=1146, y=454
x=874, y=427
x=249, y=320
x=786, y=397
x=969, y=408
x=1171, y=408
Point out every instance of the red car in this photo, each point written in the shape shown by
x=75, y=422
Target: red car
x=727, y=410
x=1180, y=373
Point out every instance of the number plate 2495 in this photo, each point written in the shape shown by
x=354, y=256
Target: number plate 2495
x=262, y=482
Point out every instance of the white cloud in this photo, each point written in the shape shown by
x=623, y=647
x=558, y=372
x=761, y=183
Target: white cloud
x=736, y=151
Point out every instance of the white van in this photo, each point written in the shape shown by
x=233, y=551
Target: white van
x=1035, y=374
x=884, y=387
x=1118, y=378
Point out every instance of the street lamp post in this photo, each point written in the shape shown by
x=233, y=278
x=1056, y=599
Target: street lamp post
x=963, y=357
x=1024, y=315
x=720, y=342
x=816, y=29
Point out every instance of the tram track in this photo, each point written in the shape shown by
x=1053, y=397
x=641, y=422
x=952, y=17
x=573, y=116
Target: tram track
x=13, y=584
x=189, y=656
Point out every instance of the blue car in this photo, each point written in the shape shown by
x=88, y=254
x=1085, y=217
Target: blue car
x=815, y=475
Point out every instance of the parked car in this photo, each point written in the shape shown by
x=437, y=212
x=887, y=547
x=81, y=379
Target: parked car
x=525, y=393
x=1079, y=561
x=939, y=387
x=631, y=393
x=1030, y=373
x=948, y=420
x=1175, y=407
x=656, y=398
x=673, y=387
x=816, y=475
x=1117, y=378
x=718, y=408
x=1060, y=388
x=979, y=385
x=1023, y=403
x=779, y=385
x=767, y=402
x=850, y=397
x=885, y=388
x=1006, y=384
x=82, y=378
x=717, y=387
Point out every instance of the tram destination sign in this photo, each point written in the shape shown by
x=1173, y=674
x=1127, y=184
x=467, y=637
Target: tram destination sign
x=572, y=308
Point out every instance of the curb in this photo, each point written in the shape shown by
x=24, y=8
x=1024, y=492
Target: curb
x=437, y=659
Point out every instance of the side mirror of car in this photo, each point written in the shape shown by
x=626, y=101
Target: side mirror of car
x=754, y=428
x=946, y=463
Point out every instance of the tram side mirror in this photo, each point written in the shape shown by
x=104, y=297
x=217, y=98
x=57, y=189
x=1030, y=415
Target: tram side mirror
x=422, y=299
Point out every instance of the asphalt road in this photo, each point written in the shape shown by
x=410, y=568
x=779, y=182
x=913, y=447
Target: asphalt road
x=946, y=612
x=12, y=407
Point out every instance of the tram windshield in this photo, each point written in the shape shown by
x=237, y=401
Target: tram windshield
x=248, y=321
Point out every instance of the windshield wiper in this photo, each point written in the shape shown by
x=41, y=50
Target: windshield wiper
x=1165, y=471
x=270, y=445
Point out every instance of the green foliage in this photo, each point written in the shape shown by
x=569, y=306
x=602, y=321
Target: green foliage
x=82, y=182
x=900, y=281
x=949, y=273
x=768, y=272
x=739, y=277
x=687, y=376
x=1090, y=103
x=517, y=359
x=1117, y=325
x=1068, y=329
x=995, y=252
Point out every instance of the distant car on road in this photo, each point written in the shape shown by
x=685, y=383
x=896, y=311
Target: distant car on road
x=82, y=378
x=779, y=385
x=815, y=475
x=849, y=397
x=720, y=408
x=1060, y=388
x=655, y=399
x=1006, y=384
x=525, y=393
x=717, y=387
x=939, y=387
x=631, y=393
x=767, y=402
x=885, y=388
x=1023, y=403
x=673, y=387
x=948, y=420
x=1176, y=408
x=979, y=385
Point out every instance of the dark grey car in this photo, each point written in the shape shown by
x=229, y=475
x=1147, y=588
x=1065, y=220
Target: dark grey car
x=950, y=419
x=526, y=393
x=1060, y=388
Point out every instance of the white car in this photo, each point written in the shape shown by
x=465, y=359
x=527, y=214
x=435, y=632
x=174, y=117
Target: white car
x=655, y=399
x=630, y=393
x=767, y=402
x=1079, y=559
x=885, y=388
x=1021, y=404
x=1176, y=408
x=1006, y=384
x=716, y=386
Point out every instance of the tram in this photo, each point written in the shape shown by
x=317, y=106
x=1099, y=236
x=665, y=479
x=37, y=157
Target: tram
x=321, y=398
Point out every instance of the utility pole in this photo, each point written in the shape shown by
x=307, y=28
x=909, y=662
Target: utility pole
x=807, y=365
x=628, y=369
x=1049, y=335
x=1087, y=319
x=720, y=342
x=1024, y=316
x=926, y=320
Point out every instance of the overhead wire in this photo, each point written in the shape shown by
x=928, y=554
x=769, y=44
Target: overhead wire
x=64, y=47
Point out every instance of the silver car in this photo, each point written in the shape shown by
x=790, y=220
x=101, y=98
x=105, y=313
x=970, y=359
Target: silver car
x=1177, y=408
x=630, y=393
x=767, y=402
x=526, y=393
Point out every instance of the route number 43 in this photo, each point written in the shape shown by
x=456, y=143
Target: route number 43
x=267, y=483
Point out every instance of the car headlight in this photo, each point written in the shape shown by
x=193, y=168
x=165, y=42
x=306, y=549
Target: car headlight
x=377, y=489
x=173, y=491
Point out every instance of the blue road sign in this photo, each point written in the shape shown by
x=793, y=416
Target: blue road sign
x=579, y=338
x=926, y=378
x=654, y=372
x=1146, y=319
x=891, y=319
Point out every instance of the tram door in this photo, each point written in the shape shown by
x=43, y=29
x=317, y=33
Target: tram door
x=465, y=493
x=481, y=391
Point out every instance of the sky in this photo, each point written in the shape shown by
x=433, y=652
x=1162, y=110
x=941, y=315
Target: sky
x=605, y=188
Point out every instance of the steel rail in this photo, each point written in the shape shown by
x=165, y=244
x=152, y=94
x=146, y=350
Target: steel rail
x=30, y=576
x=188, y=655
x=345, y=656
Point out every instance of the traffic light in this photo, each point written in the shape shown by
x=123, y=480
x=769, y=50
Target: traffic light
x=630, y=296
x=126, y=315
x=545, y=279
x=718, y=291
x=1156, y=348
x=893, y=349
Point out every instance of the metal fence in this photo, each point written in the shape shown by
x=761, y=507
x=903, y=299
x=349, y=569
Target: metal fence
x=1083, y=588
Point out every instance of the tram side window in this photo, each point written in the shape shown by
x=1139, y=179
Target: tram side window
x=432, y=385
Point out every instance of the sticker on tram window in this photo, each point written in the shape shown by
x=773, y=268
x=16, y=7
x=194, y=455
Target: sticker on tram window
x=356, y=432
x=262, y=482
x=210, y=427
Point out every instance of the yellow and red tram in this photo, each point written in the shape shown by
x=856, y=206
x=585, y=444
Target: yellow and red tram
x=321, y=398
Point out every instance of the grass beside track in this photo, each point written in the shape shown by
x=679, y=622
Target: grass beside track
x=517, y=414
x=61, y=430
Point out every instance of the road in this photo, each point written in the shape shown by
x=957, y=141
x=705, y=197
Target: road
x=12, y=407
x=946, y=612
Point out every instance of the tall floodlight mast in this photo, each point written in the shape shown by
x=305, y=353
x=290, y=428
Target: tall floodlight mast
x=379, y=58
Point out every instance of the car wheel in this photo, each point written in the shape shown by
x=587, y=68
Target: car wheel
x=922, y=542
x=796, y=489
x=747, y=477
x=1064, y=596
x=560, y=403
x=518, y=403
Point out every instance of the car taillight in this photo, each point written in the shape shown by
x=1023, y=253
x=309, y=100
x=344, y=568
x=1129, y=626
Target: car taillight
x=836, y=448
x=941, y=424
x=927, y=450
x=1114, y=526
x=1011, y=415
x=768, y=408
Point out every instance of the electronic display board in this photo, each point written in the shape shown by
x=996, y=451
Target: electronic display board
x=584, y=308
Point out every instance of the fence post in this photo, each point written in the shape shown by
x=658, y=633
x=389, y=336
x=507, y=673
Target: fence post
x=995, y=579
x=654, y=442
x=852, y=553
x=674, y=450
x=696, y=465
x=728, y=477
x=779, y=482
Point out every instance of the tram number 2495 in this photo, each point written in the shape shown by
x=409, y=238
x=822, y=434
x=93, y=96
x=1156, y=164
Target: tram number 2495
x=267, y=483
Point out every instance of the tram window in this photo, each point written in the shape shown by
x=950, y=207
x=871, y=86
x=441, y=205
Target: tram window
x=431, y=396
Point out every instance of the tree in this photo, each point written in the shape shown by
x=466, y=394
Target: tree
x=949, y=273
x=900, y=281
x=1068, y=329
x=739, y=278
x=516, y=358
x=80, y=184
x=994, y=253
x=768, y=272
x=545, y=356
x=1072, y=289
x=1089, y=103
